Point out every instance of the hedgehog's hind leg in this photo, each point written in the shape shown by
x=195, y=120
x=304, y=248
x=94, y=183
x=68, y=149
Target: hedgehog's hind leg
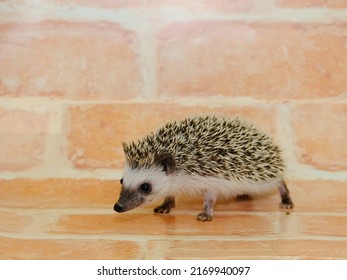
x=286, y=201
x=207, y=213
x=166, y=206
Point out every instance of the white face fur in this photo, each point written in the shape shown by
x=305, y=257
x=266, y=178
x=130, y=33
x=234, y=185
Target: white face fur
x=142, y=186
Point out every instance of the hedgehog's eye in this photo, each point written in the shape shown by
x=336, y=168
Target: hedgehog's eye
x=145, y=188
x=121, y=181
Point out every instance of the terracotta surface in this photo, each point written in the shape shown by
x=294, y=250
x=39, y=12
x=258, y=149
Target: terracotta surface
x=74, y=219
x=275, y=69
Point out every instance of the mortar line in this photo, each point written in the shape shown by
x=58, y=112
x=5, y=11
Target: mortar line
x=172, y=237
x=40, y=103
x=125, y=17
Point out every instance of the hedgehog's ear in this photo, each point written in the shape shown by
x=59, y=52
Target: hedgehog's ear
x=167, y=161
x=125, y=147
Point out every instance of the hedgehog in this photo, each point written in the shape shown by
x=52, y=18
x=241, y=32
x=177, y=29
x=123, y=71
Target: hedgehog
x=210, y=156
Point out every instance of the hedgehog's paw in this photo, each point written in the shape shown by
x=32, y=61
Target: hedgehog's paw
x=166, y=206
x=287, y=206
x=162, y=209
x=203, y=216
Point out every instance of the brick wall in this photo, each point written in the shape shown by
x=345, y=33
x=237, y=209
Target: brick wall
x=77, y=78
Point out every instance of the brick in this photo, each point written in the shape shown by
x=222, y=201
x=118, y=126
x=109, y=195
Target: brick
x=67, y=249
x=253, y=250
x=260, y=60
x=319, y=195
x=69, y=60
x=311, y=3
x=11, y=222
x=95, y=133
x=58, y=193
x=136, y=223
x=320, y=141
x=333, y=226
x=23, y=139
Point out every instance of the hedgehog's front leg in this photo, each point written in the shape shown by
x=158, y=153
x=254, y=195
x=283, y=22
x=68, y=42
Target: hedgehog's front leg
x=207, y=212
x=166, y=206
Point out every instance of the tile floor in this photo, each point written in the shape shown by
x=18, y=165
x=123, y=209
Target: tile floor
x=74, y=219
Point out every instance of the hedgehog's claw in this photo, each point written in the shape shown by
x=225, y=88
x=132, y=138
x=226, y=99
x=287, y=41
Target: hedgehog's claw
x=162, y=209
x=287, y=207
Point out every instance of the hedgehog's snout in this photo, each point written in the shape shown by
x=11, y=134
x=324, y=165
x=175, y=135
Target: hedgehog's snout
x=128, y=199
x=118, y=208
